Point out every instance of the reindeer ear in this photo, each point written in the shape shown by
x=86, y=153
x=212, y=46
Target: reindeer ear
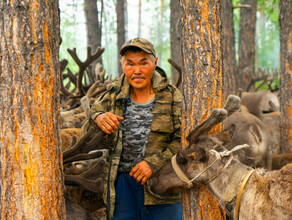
x=199, y=154
x=256, y=133
x=226, y=135
x=189, y=137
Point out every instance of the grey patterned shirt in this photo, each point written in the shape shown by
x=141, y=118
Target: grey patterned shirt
x=135, y=132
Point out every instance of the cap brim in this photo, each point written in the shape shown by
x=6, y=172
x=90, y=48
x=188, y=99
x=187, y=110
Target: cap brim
x=122, y=51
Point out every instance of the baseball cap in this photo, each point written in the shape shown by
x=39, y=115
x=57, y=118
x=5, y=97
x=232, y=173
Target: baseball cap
x=141, y=43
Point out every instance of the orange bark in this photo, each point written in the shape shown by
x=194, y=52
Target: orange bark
x=31, y=168
x=285, y=20
x=202, y=88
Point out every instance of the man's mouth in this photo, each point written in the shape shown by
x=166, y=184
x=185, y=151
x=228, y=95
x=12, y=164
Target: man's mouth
x=138, y=77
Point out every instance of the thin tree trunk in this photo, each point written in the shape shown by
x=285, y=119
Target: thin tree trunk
x=202, y=87
x=139, y=18
x=31, y=182
x=285, y=20
x=175, y=36
x=94, y=31
x=159, y=30
x=228, y=43
x=246, y=45
x=120, y=10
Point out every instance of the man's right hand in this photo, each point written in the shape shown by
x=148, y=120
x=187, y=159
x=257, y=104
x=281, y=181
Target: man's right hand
x=108, y=122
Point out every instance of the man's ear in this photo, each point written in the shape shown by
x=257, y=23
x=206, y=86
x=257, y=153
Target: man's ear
x=156, y=59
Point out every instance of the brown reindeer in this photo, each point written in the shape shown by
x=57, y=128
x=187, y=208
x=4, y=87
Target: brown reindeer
x=248, y=129
x=85, y=188
x=248, y=193
x=260, y=102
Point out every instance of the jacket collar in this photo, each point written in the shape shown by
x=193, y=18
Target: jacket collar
x=159, y=82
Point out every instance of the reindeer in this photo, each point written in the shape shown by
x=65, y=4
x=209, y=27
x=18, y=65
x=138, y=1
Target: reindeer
x=261, y=102
x=250, y=193
x=74, y=113
x=247, y=128
x=88, y=185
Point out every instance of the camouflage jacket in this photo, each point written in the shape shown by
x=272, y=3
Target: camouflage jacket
x=165, y=132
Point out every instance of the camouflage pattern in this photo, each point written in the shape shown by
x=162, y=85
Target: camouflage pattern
x=135, y=132
x=141, y=43
x=164, y=138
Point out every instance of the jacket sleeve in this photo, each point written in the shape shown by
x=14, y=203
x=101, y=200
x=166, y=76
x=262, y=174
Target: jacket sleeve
x=101, y=105
x=158, y=159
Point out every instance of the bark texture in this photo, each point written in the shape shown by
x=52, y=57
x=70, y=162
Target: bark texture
x=31, y=182
x=93, y=27
x=202, y=87
x=120, y=10
x=139, y=18
x=228, y=45
x=285, y=20
x=246, y=45
x=175, y=38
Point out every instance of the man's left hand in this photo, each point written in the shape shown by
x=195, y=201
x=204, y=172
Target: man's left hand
x=141, y=172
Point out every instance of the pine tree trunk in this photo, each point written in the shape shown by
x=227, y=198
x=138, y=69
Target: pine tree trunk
x=228, y=44
x=246, y=45
x=31, y=182
x=93, y=26
x=285, y=20
x=120, y=10
x=202, y=88
x=139, y=18
x=175, y=36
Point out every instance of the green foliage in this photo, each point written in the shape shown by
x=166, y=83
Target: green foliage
x=267, y=33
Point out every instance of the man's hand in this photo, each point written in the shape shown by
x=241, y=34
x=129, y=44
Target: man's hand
x=141, y=171
x=108, y=122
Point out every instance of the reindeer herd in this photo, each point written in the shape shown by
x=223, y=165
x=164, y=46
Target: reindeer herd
x=254, y=182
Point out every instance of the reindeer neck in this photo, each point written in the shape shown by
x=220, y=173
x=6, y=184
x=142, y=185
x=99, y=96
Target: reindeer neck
x=226, y=185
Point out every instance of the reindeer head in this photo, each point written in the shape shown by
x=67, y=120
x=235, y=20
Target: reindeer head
x=194, y=159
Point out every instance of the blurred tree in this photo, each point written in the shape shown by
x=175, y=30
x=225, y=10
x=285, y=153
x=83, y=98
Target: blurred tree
x=285, y=20
x=94, y=27
x=246, y=48
x=228, y=48
x=175, y=37
x=139, y=18
x=120, y=10
x=31, y=159
x=202, y=88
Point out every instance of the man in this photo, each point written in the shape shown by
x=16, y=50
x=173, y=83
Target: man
x=144, y=111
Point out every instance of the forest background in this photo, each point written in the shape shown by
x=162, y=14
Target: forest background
x=155, y=26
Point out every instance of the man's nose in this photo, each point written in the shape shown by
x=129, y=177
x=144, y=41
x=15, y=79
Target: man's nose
x=137, y=70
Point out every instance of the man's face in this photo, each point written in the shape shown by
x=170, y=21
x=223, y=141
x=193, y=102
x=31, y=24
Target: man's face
x=138, y=68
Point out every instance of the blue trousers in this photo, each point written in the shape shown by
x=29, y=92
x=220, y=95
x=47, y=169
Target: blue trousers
x=130, y=203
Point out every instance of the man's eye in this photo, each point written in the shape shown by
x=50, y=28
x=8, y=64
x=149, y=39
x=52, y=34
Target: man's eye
x=144, y=63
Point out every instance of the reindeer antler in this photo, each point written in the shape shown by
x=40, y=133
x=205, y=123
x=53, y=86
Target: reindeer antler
x=217, y=116
x=178, y=68
x=83, y=65
x=86, y=144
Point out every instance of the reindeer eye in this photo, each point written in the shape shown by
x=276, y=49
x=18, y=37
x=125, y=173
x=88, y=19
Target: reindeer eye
x=181, y=159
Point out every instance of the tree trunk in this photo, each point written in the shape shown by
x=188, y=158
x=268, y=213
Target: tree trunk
x=139, y=18
x=31, y=161
x=202, y=87
x=285, y=20
x=246, y=45
x=160, y=14
x=120, y=10
x=175, y=36
x=228, y=44
x=93, y=26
